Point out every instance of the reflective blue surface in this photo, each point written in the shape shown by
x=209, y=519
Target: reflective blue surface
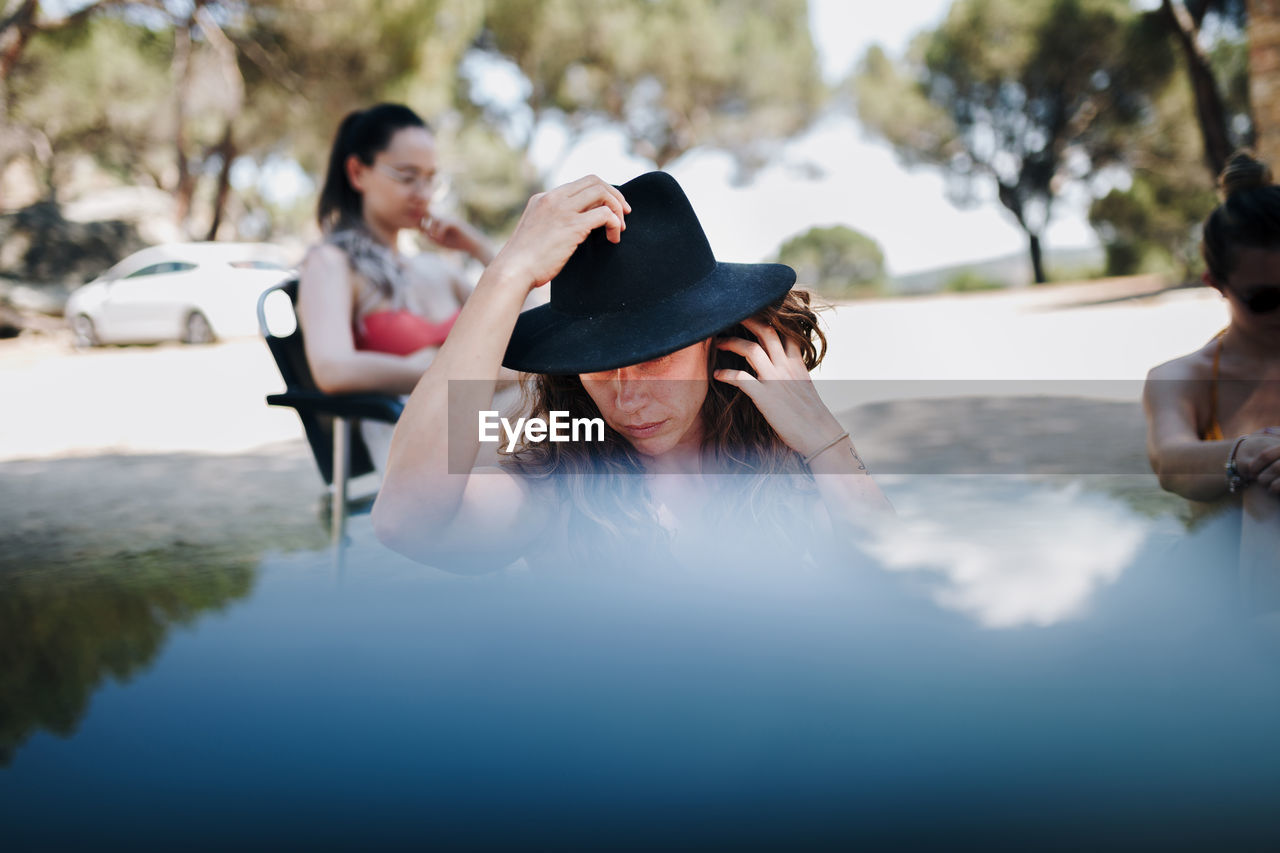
x=1039, y=665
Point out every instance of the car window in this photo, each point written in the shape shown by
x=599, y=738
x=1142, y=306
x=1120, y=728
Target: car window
x=258, y=265
x=154, y=269
x=162, y=268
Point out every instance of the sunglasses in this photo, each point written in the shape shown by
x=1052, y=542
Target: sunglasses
x=1260, y=300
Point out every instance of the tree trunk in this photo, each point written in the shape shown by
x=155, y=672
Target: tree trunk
x=1009, y=197
x=1037, y=259
x=1210, y=112
x=15, y=32
x=185, y=187
x=227, y=151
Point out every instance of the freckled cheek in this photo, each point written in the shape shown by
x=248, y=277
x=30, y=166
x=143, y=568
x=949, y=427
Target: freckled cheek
x=602, y=401
x=689, y=403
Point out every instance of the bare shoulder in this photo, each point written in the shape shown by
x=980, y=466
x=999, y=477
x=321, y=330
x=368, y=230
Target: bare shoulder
x=1178, y=394
x=325, y=275
x=1193, y=365
x=324, y=257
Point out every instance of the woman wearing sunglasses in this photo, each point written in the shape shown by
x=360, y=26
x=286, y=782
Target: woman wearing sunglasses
x=1213, y=416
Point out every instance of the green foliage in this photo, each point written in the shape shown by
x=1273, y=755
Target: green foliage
x=99, y=91
x=307, y=65
x=1153, y=225
x=741, y=75
x=1075, y=271
x=165, y=93
x=489, y=180
x=64, y=633
x=969, y=281
x=836, y=261
x=1229, y=59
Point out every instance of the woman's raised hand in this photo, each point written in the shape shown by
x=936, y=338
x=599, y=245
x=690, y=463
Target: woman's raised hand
x=449, y=233
x=554, y=223
x=791, y=406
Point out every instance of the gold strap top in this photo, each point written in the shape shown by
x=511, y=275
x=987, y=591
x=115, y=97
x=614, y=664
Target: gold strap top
x=1214, y=432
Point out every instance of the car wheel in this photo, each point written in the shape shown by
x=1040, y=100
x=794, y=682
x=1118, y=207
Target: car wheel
x=197, y=329
x=83, y=332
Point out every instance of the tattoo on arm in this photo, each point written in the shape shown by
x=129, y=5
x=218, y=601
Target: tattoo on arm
x=861, y=465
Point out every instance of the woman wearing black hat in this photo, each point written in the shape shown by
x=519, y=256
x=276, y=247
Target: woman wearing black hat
x=635, y=335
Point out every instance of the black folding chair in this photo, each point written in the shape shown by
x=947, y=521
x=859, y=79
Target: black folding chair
x=339, y=451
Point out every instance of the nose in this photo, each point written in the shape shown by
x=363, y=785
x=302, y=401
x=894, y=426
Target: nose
x=629, y=391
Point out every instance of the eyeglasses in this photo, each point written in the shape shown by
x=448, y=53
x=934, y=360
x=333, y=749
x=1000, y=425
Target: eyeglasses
x=410, y=180
x=1260, y=300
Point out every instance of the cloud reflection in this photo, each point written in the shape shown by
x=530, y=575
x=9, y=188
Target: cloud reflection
x=1010, y=553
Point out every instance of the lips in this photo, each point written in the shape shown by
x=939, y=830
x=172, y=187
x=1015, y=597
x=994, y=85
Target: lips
x=642, y=430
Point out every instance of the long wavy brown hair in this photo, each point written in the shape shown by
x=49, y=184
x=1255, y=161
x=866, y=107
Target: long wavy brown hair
x=598, y=481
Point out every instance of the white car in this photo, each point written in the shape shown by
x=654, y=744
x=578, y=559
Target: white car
x=190, y=292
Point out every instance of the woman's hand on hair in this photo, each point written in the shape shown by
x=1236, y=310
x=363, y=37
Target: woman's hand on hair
x=782, y=389
x=554, y=223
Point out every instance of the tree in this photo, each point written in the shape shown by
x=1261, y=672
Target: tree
x=1153, y=224
x=20, y=22
x=1177, y=152
x=740, y=75
x=837, y=261
x=1026, y=94
x=224, y=81
x=91, y=93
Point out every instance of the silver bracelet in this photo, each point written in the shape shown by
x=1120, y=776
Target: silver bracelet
x=824, y=448
x=1235, y=480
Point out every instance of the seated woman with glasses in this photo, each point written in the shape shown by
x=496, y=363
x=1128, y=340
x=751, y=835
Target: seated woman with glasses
x=372, y=318
x=1213, y=416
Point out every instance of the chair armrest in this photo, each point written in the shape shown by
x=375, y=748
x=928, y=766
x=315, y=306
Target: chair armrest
x=369, y=407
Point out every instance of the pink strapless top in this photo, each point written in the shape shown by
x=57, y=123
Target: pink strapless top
x=401, y=332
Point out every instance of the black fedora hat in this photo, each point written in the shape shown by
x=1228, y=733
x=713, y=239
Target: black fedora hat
x=658, y=290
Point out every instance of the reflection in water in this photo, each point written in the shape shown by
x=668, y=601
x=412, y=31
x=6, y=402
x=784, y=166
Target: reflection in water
x=736, y=706
x=1010, y=552
x=62, y=633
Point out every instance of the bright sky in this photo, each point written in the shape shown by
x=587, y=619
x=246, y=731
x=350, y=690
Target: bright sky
x=863, y=187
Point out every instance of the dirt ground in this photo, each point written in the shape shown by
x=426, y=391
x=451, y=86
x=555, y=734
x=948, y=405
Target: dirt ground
x=120, y=453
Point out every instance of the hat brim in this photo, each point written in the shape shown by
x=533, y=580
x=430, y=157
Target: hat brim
x=549, y=341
